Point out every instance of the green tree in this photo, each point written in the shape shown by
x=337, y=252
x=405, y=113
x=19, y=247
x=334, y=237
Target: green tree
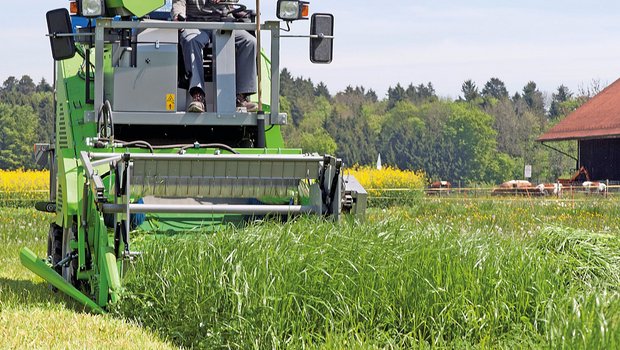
x=322, y=90
x=448, y=140
x=43, y=86
x=562, y=95
x=355, y=138
x=318, y=141
x=396, y=94
x=26, y=85
x=470, y=91
x=494, y=88
x=18, y=126
x=43, y=104
x=534, y=98
x=471, y=132
x=402, y=137
x=421, y=94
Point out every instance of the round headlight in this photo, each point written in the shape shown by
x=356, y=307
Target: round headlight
x=92, y=8
x=289, y=10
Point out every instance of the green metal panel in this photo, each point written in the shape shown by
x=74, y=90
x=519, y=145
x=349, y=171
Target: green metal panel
x=68, y=173
x=43, y=270
x=110, y=282
x=273, y=139
x=138, y=8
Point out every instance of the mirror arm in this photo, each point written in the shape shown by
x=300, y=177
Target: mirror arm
x=64, y=35
x=318, y=36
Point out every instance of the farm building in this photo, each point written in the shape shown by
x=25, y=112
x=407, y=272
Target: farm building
x=596, y=127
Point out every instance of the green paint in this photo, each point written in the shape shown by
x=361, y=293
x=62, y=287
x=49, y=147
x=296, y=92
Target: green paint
x=138, y=8
x=100, y=269
x=43, y=270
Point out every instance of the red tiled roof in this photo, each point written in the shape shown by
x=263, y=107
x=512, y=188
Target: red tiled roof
x=597, y=118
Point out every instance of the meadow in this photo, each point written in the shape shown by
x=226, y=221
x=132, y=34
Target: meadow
x=432, y=272
x=492, y=274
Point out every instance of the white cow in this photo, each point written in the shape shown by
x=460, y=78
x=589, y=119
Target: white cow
x=594, y=186
x=557, y=189
x=547, y=189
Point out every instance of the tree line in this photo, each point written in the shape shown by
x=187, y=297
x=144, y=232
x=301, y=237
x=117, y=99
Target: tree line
x=26, y=117
x=486, y=135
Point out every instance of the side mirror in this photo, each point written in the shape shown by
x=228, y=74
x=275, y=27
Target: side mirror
x=41, y=152
x=59, y=22
x=321, y=38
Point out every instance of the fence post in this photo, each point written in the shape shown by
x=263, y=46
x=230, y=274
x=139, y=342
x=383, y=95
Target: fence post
x=606, y=187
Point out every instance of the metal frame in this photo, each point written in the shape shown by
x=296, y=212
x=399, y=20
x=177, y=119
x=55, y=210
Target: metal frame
x=209, y=209
x=92, y=160
x=328, y=176
x=106, y=157
x=185, y=118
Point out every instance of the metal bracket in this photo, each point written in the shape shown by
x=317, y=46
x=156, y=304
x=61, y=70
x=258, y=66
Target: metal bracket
x=66, y=259
x=95, y=180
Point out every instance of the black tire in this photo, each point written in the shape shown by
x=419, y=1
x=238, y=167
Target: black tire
x=54, y=248
x=69, y=271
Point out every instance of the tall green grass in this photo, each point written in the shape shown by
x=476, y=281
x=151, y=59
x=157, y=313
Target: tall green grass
x=439, y=274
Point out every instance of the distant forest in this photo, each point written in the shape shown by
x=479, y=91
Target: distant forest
x=487, y=135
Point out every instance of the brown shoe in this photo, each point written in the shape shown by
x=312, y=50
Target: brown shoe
x=198, y=103
x=243, y=102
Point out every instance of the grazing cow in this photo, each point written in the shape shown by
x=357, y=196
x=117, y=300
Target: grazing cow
x=437, y=187
x=547, y=189
x=514, y=187
x=594, y=186
x=516, y=184
x=441, y=184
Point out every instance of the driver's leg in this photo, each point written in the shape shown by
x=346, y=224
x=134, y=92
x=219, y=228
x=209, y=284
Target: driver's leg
x=245, y=49
x=245, y=65
x=192, y=43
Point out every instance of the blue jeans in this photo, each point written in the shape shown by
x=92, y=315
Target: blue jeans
x=194, y=40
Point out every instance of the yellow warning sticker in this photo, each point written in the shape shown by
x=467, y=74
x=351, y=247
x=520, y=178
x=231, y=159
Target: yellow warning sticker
x=170, y=102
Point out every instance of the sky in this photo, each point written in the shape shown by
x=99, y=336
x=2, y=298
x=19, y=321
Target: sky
x=381, y=43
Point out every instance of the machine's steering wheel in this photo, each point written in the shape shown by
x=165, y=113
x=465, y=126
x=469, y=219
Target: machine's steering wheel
x=238, y=8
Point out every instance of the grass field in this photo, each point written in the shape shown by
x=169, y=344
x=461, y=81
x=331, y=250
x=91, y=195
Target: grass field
x=448, y=273
x=33, y=317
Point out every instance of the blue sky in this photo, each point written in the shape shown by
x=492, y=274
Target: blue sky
x=445, y=42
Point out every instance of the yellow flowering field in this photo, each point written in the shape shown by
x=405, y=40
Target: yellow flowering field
x=18, y=187
x=387, y=178
x=389, y=186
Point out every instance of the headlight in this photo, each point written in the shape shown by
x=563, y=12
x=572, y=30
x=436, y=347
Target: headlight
x=91, y=8
x=290, y=10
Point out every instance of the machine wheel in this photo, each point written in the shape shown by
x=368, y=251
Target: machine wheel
x=69, y=271
x=54, y=248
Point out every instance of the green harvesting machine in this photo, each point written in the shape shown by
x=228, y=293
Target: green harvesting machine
x=127, y=155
